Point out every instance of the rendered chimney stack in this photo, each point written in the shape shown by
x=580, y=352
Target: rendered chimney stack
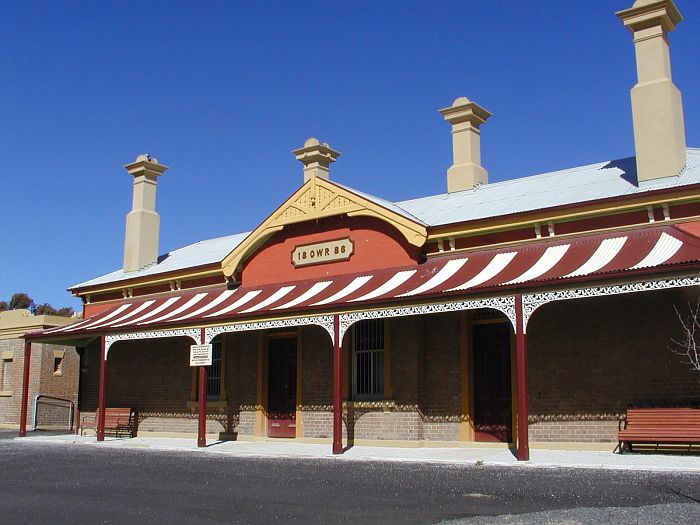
x=316, y=158
x=142, y=222
x=466, y=170
x=657, y=107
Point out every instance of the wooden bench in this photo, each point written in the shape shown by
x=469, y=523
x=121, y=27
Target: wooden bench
x=659, y=426
x=118, y=422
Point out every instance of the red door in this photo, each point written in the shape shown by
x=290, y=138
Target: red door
x=282, y=388
x=492, y=382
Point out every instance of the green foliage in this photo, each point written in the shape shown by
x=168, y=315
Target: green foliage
x=45, y=309
x=21, y=300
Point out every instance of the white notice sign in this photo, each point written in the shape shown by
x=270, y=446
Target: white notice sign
x=200, y=355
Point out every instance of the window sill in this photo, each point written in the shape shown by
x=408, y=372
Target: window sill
x=377, y=404
x=5, y=393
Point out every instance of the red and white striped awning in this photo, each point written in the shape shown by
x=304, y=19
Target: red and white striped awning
x=548, y=262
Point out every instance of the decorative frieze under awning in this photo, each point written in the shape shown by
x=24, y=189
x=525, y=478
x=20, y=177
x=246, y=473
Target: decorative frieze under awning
x=553, y=264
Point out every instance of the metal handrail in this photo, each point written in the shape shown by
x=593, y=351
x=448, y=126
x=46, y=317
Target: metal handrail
x=70, y=413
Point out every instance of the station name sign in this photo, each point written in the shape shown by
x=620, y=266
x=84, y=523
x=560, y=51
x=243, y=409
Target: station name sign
x=322, y=252
x=200, y=355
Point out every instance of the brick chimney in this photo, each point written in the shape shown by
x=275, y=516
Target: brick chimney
x=657, y=107
x=466, y=171
x=316, y=158
x=142, y=222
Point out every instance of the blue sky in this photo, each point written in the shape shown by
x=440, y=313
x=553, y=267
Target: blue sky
x=223, y=91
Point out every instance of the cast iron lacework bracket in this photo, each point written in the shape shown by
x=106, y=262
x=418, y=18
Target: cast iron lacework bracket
x=532, y=302
x=193, y=333
x=324, y=321
x=506, y=305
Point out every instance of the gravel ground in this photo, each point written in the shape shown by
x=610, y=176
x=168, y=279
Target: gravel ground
x=669, y=513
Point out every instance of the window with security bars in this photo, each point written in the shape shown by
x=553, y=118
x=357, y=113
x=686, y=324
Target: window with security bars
x=214, y=372
x=368, y=359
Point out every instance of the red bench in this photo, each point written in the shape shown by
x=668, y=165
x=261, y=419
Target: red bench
x=118, y=422
x=659, y=426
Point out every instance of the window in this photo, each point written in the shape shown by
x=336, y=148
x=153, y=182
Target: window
x=5, y=373
x=58, y=366
x=214, y=372
x=368, y=359
x=58, y=356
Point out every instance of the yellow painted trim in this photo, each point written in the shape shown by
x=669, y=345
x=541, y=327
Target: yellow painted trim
x=562, y=237
x=299, y=430
x=15, y=323
x=513, y=387
x=388, y=388
x=345, y=368
x=316, y=199
x=193, y=390
x=224, y=344
x=156, y=280
x=261, y=387
x=588, y=212
x=466, y=425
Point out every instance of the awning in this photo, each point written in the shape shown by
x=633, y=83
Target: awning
x=549, y=263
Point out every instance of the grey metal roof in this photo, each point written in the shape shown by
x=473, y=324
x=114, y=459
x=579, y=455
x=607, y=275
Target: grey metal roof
x=197, y=254
x=576, y=185
x=391, y=206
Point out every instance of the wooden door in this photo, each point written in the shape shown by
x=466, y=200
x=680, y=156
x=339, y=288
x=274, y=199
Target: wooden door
x=282, y=387
x=492, y=382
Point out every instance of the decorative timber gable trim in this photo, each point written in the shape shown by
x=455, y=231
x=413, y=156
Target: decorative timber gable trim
x=316, y=199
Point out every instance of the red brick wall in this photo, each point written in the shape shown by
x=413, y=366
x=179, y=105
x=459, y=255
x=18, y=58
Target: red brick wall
x=440, y=394
x=41, y=378
x=424, y=378
x=589, y=359
x=154, y=378
x=377, y=245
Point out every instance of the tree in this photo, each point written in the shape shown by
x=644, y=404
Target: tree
x=45, y=309
x=21, y=300
x=66, y=311
x=688, y=346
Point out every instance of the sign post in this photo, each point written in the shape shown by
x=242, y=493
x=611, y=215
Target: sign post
x=200, y=355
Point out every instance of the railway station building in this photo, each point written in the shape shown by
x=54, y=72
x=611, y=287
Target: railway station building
x=528, y=312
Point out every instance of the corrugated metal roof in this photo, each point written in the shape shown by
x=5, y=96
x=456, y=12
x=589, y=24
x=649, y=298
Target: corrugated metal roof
x=198, y=254
x=391, y=206
x=575, y=185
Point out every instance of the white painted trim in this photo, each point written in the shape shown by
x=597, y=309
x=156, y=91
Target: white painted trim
x=532, y=302
x=194, y=333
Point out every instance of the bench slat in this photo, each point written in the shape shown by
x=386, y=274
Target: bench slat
x=660, y=425
x=118, y=421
